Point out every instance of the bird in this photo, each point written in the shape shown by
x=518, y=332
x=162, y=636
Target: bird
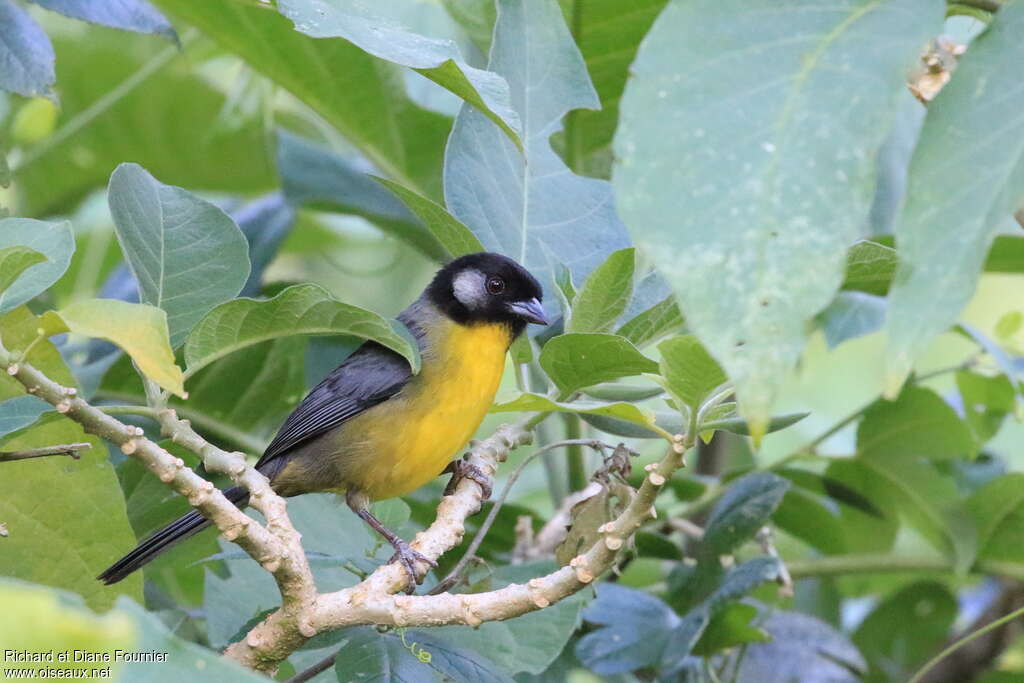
x=372, y=429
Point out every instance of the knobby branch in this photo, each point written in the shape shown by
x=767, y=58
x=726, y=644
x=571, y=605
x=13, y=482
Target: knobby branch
x=305, y=612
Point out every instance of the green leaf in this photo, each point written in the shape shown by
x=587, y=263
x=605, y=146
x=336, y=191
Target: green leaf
x=26, y=53
x=668, y=420
x=14, y=261
x=986, y=403
x=438, y=60
x=476, y=17
x=20, y=412
x=129, y=15
x=804, y=515
x=574, y=361
x=634, y=629
x=186, y=254
x=608, y=34
x=316, y=177
x=409, y=657
x=175, y=122
x=997, y=510
x=851, y=315
x=919, y=424
x=690, y=373
x=537, y=403
x=729, y=628
x=870, y=267
x=55, y=241
x=895, y=651
x=714, y=196
x=660, y=319
x=455, y=237
x=363, y=98
x=800, y=644
x=957, y=195
x=745, y=507
x=74, y=532
x=725, y=418
x=866, y=529
x=605, y=294
x=300, y=309
x=622, y=392
x=529, y=206
x=139, y=329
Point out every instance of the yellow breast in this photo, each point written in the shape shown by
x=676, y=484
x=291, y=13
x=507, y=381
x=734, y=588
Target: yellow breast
x=408, y=440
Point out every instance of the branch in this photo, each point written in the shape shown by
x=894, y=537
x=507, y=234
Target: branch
x=274, y=546
x=373, y=602
x=69, y=449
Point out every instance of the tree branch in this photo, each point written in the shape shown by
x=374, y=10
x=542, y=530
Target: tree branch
x=69, y=449
x=274, y=546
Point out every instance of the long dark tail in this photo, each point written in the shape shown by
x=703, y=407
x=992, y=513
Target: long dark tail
x=163, y=540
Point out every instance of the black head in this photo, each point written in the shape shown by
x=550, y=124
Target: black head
x=488, y=287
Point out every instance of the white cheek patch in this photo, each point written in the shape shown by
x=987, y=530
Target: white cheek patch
x=468, y=288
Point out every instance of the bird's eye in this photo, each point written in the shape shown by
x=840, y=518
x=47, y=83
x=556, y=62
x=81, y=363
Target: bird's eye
x=495, y=285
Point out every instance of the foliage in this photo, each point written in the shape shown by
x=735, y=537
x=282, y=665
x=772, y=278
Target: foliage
x=232, y=200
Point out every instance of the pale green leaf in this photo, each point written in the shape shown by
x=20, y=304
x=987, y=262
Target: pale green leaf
x=25, y=52
x=301, y=309
x=605, y=294
x=919, y=424
x=186, y=254
x=657, y=321
x=536, y=403
x=851, y=315
x=139, y=329
x=438, y=60
x=530, y=206
x=749, y=217
x=455, y=237
x=55, y=241
x=958, y=194
x=20, y=412
x=574, y=361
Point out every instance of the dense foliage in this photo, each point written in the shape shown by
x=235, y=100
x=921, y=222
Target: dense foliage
x=759, y=228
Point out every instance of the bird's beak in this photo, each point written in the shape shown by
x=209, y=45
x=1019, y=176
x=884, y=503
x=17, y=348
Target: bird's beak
x=531, y=311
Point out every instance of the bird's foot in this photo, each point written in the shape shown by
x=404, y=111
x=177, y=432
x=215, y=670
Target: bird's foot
x=460, y=469
x=409, y=559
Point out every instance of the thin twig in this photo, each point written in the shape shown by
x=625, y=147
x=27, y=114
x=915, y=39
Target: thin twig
x=69, y=449
x=765, y=539
x=964, y=641
x=456, y=573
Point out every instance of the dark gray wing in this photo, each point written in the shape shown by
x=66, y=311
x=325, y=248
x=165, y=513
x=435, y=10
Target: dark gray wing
x=369, y=376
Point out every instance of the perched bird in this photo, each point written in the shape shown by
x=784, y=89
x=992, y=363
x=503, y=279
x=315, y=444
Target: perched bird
x=373, y=430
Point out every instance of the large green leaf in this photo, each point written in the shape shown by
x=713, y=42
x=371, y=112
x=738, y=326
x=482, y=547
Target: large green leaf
x=958, y=194
x=608, y=35
x=531, y=207
x=851, y=315
x=455, y=237
x=14, y=261
x=917, y=425
x=574, y=361
x=168, y=117
x=301, y=309
x=745, y=507
x=997, y=510
x=363, y=97
x=55, y=241
x=139, y=329
x=316, y=177
x=186, y=254
x=647, y=326
x=68, y=536
x=801, y=648
x=605, y=294
x=25, y=52
x=626, y=412
x=438, y=60
x=764, y=207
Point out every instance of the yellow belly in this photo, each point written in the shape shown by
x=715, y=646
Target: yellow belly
x=405, y=442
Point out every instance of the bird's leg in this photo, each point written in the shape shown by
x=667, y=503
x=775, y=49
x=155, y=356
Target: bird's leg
x=404, y=554
x=460, y=469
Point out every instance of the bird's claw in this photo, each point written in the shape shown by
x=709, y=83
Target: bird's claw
x=409, y=560
x=460, y=469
